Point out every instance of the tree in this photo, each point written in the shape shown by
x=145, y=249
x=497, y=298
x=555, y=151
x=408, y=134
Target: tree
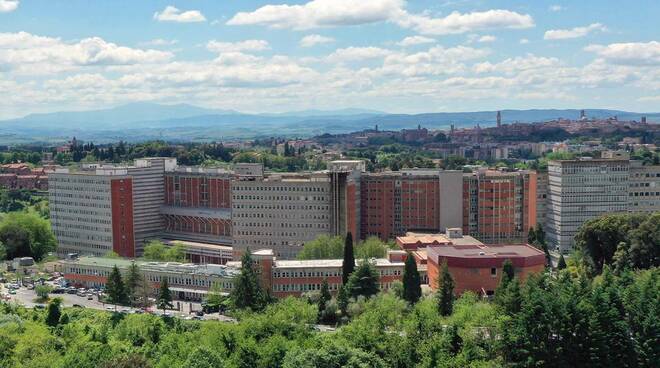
x=247, y=292
x=445, y=294
x=164, y=299
x=343, y=299
x=26, y=234
x=323, y=247
x=561, y=264
x=203, y=357
x=531, y=236
x=412, y=289
x=508, y=271
x=645, y=243
x=42, y=292
x=156, y=251
x=114, y=288
x=324, y=298
x=54, y=312
x=112, y=255
x=214, y=296
x=372, y=247
x=363, y=281
x=132, y=283
x=598, y=238
x=348, y=265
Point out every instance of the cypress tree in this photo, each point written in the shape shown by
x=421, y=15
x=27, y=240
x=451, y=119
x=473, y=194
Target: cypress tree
x=507, y=271
x=531, y=235
x=247, y=292
x=445, y=294
x=412, y=289
x=54, y=312
x=562, y=262
x=164, y=299
x=115, y=288
x=133, y=278
x=342, y=299
x=348, y=265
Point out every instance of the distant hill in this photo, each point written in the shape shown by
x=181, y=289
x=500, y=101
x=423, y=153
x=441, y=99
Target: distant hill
x=182, y=122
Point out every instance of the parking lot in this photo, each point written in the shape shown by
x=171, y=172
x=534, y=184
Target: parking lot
x=86, y=299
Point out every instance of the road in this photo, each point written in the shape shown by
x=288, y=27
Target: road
x=26, y=297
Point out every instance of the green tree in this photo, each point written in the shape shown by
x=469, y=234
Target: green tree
x=133, y=280
x=445, y=293
x=175, y=253
x=364, y=280
x=112, y=255
x=508, y=272
x=54, y=312
x=26, y=234
x=215, y=297
x=598, y=238
x=412, y=289
x=372, y=247
x=114, y=288
x=645, y=243
x=324, y=298
x=348, y=264
x=247, y=292
x=203, y=357
x=42, y=292
x=561, y=264
x=343, y=299
x=154, y=251
x=164, y=299
x=323, y=247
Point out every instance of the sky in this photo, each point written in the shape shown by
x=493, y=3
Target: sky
x=284, y=55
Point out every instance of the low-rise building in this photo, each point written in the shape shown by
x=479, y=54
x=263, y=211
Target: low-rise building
x=478, y=268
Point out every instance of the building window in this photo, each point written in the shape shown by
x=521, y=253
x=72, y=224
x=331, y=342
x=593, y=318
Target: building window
x=493, y=272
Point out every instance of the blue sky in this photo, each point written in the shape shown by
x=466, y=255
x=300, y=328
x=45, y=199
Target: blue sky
x=283, y=55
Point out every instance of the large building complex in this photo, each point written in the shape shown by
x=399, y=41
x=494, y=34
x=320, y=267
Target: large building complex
x=212, y=209
x=582, y=189
x=644, y=188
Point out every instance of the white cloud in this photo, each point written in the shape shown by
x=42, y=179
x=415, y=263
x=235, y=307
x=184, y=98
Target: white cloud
x=523, y=41
x=39, y=55
x=315, y=39
x=517, y=64
x=7, y=6
x=415, y=40
x=632, y=53
x=172, y=14
x=159, y=42
x=331, y=13
x=577, y=32
x=319, y=13
x=357, y=54
x=487, y=38
x=556, y=8
x=456, y=23
x=247, y=45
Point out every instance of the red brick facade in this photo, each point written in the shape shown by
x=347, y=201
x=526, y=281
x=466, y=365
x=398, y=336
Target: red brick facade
x=123, y=237
x=183, y=190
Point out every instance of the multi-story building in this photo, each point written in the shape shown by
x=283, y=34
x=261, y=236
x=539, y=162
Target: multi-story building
x=644, y=187
x=582, y=189
x=99, y=208
x=198, y=205
x=499, y=206
x=280, y=211
x=91, y=212
x=541, y=198
x=393, y=203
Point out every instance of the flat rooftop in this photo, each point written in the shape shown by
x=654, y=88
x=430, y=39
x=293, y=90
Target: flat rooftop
x=171, y=267
x=427, y=239
x=486, y=251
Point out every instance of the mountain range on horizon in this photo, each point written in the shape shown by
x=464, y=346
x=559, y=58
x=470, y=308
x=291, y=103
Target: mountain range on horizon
x=183, y=122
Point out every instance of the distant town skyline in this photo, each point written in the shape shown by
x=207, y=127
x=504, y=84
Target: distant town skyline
x=273, y=56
